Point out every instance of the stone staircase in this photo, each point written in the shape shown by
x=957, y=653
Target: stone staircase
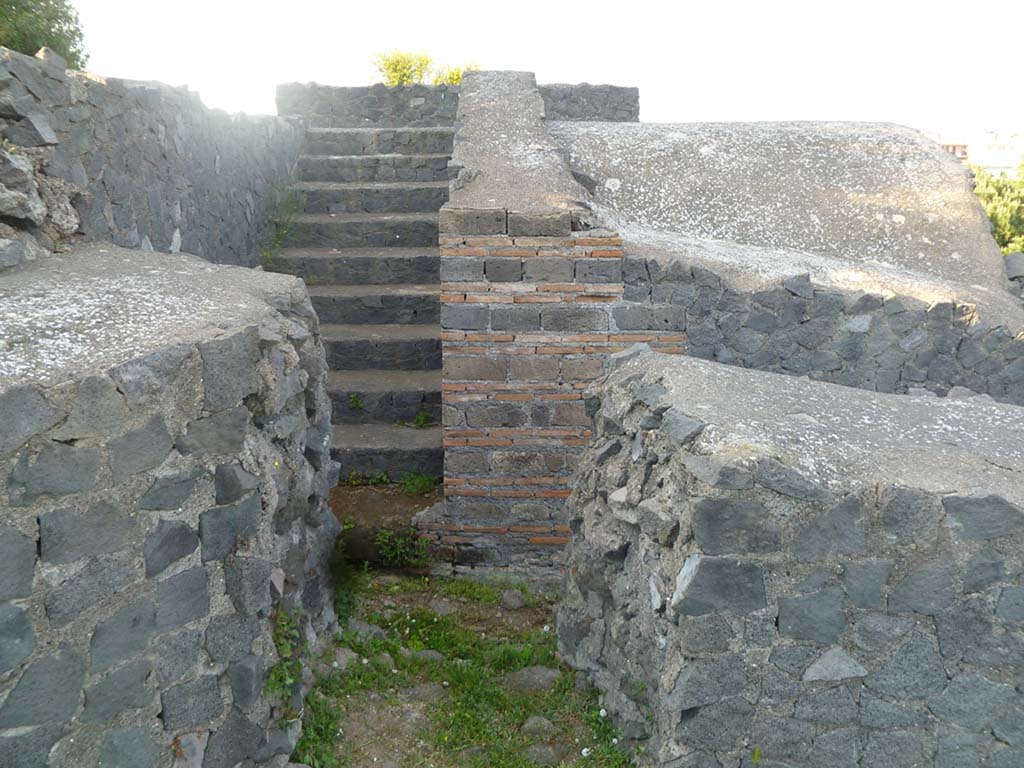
x=366, y=245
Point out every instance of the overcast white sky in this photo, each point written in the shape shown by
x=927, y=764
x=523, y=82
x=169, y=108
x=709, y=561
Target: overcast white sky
x=938, y=65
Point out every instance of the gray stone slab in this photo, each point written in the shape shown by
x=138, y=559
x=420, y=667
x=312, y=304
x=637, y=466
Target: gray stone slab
x=54, y=304
x=855, y=205
x=508, y=161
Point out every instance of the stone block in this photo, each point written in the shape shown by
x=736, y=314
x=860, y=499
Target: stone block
x=734, y=526
x=462, y=269
x=247, y=580
x=140, y=449
x=182, y=598
x=129, y=747
x=98, y=410
x=17, y=638
x=598, y=271
x=231, y=483
x=979, y=518
x=17, y=563
x=524, y=318
x=94, y=583
x=24, y=412
x=117, y=692
x=223, y=529
x=48, y=691
x=718, y=585
x=476, y=368
x=548, y=270
x=573, y=319
x=472, y=221
x=66, y=536
x=503, y=270
x=194, y=703
x=230, y=637
x=464, y=317
x=170, y=491
x=179, y=655
x=220, y=434
x=229, y=369
x=534, y=224
x=246, y=678
x=58, y=470
x=817, y=617
x=123, y=635
x=170, y=541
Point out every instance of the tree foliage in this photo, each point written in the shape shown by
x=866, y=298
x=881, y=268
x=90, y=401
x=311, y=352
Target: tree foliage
x=412, y=68
x=28, y=25
x=1003, y=201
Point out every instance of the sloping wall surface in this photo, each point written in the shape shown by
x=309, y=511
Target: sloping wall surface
x=773, y=571
x=164, y=461
x=141, y=164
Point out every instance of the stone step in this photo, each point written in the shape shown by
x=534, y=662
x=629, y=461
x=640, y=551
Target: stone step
x=372, y=197
x=367, y=449
x=392, y=167
x=355, y=230
x=384, y=397
x=328, y=266
x=396, y=347
x=377, y=141
x=377, y=304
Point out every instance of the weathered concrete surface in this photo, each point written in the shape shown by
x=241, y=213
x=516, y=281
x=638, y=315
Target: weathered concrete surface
x=73, y=312
x=164, y=465
x=506, y=159
x=828, y=576
x=870, y=207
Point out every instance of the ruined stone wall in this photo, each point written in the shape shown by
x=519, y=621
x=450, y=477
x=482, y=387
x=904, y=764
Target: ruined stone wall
x=885, y=343
x=144, y=165
x=164, y=462
x=789, y=573
x=583, y=101
x=376, y=105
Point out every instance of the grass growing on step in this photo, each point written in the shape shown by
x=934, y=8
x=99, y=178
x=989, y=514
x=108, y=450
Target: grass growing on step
x=287, y=203
x=477, y=713
x=355, y=402
x=379, y=478
x=417, y=484
x=422, y=421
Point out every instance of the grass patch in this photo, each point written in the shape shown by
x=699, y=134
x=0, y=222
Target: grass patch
x=416, y=484
x=478, y=712
x=379, y=478
x=355, y=402
x=402, y=548
x=422, y=421
x=286, y=674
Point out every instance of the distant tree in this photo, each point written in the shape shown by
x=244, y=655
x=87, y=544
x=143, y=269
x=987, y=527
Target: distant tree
x=28, y=25
x=411, y=68
x=1003, y=201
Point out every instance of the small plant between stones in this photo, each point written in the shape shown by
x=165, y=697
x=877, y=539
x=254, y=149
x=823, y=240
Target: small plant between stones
x=379, y=478
x=422, y=421
x=355, y=402
x=288, y=204
x=287, y=672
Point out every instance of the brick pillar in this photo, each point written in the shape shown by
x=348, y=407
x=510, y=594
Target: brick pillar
x=526, y=327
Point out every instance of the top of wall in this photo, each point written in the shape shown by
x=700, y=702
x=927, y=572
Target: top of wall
x=98, y=305
x=840, y=437
x=583, y=101
x=507, y=161
x=865, y=206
